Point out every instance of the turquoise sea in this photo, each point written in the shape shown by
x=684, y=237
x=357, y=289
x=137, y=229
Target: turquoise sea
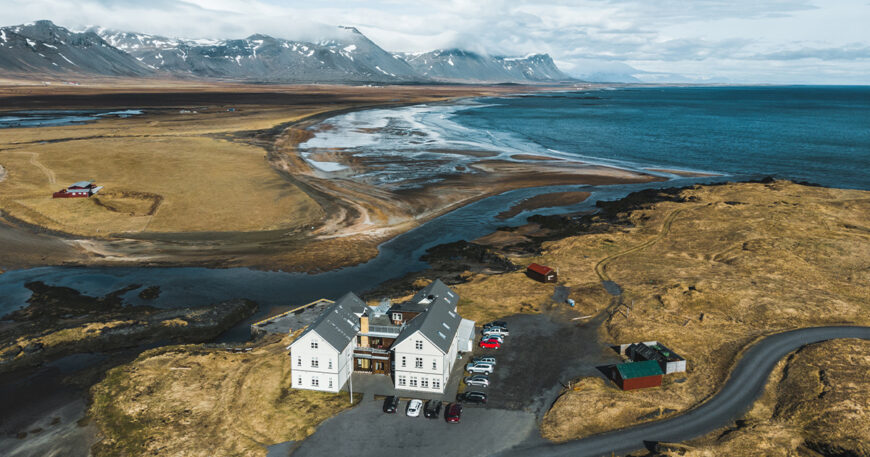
x=819, y=134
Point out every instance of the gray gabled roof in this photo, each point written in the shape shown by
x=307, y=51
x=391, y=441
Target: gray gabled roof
x=425, y=297
x=440, y=320
x=339, y=323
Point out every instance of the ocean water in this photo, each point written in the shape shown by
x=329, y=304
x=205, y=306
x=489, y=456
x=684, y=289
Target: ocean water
x=815, y=134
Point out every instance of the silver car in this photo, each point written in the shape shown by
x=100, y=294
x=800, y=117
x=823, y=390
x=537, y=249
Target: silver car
x=478, y=380
x=478, y=368
x=496, y=331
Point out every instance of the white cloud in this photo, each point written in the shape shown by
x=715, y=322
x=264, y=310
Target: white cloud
x=742, y=40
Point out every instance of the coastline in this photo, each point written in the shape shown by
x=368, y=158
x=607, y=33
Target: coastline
x=359, y=217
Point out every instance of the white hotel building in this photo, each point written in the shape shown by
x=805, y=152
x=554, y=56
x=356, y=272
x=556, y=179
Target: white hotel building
x=415, y=342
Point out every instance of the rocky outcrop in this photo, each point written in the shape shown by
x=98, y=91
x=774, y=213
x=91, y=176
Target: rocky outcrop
x=32, y=338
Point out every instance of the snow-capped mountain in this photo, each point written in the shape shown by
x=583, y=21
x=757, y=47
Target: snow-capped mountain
x=347, y=57
x=461, y=65
x=350, y=58
x=42, y=47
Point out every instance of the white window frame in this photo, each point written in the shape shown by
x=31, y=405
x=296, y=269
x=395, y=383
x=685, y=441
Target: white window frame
x=397, y=317
x=315, y=382
x=330, y=383
x=301, y=382
x=299, y=361
x=313, y=344
x=434, y=364
x=315, y=363
x=418, y=344
x=404, y=361
x=436, y=383
x=413, y=382
x=418, y=363
x=329, y=363
x=424, y=383
x=402, y=380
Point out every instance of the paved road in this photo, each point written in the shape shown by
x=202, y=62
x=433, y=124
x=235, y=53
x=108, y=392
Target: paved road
x=740, y=391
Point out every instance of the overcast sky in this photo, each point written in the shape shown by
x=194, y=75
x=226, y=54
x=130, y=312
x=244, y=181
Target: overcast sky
x=776, y=41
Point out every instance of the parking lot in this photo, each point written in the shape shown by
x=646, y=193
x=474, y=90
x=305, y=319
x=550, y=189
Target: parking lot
x=542, y=352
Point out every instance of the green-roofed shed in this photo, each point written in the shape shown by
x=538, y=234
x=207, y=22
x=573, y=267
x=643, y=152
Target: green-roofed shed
x=637, y=375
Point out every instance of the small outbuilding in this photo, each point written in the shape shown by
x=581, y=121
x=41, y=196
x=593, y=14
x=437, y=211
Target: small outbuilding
x=541, y=273
x=637, y=375
x=81, y=189
x=668, y=360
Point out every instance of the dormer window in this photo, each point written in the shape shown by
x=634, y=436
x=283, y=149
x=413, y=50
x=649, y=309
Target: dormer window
x=397, y=317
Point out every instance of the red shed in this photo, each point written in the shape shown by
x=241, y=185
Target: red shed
x=541, y=273
x=637, y=375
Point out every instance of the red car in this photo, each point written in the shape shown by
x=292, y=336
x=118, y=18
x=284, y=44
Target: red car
x=453, y=412
x=489, y=344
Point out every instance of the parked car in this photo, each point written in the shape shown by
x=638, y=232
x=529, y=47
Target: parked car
x=472, y=397
x=453, y=412
x=479, y=368
x=489, y=344
x=432, y=409
x=391, y=403
x=496, y=331
x=498, y=338
x=477, y=380
x=414, y=407
x=486, y=359
x=501, y=324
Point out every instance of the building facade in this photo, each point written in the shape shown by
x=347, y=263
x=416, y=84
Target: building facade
x=322, y=356
x=415, y=342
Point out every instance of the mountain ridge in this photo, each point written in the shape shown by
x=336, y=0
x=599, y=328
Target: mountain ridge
x=350, y=57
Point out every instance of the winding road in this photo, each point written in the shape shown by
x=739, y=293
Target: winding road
x=742, y=388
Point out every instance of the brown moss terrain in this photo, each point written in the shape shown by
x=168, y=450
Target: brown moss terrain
x=709, y=273
x=816, y=403
x=195, y=401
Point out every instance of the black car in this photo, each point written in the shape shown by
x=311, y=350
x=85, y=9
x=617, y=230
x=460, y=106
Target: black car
x=391, y=403
x=472, y=397
x=501, y=324
x=432, y=409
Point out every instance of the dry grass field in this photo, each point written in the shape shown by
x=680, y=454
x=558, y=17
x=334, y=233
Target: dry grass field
x=161, y=172
x=193, y=401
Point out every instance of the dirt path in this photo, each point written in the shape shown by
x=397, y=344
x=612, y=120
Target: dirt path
x=601, y=266
x=47, y=171
x=2, y=173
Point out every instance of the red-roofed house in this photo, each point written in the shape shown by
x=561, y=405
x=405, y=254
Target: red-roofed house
x=541, y=273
